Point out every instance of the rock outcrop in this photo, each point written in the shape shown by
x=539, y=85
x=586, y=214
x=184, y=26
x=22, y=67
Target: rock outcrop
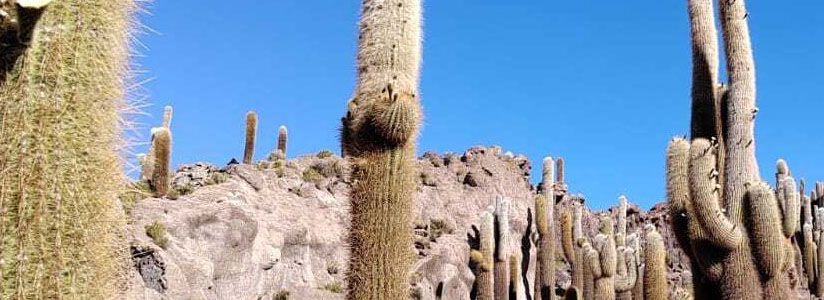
x=276, y=227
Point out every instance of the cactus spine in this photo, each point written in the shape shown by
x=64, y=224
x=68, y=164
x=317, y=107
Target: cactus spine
x=544, y=212
x=162, y=147
x=379, y=136
x=483, y=258
x=655, y=273
x=282, y=136
x=62, y=85
x=251, y=136
x=722, y=175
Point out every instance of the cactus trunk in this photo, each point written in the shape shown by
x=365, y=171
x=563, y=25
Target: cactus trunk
x=62, y=88
x=379, y=138
x=251, y=136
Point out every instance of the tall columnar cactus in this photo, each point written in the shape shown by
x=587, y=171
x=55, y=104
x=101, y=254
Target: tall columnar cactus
x=560, y=178
x=379, y=136
x=603, y=261
x=251, y=136
x=282, y=137
x=515, y=291
x=167, y=116
x=588, y=279
x=545, y=219
x=633, y=241
x=655, y=274
x=626, y=275
x=162, y=147
x=732, y=248
x=571, y=241
x=502, y=251
x=63, y=76
x=483, y=258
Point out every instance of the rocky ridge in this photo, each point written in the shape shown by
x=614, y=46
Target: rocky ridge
x=277, y=227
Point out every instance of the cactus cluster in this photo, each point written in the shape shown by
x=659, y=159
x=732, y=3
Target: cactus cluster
x=63, y=78
x=812, y=224
x=729, y=222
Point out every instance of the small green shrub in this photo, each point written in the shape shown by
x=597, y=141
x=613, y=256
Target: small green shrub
x=281, y=295
x=312, y=175
x=157, y=231
x=185, y=189
x=437, y=228
x=217, y=178
x=334, y=287
x=134, y=192
x=324, y=154
x=174, y=194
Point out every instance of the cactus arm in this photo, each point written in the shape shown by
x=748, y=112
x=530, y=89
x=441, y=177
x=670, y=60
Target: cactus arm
x=705, y=63
x=621, y=235
x=567, y=241
x=765, y=229
x=283, y=135
x=593, y=261
x=704, y=192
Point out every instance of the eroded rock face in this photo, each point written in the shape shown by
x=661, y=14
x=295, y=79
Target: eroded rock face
x=281, y=226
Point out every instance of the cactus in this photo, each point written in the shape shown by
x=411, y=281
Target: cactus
x=251, y=136
x=572, y=241
x=515, y=291
x=502, y=252
x=63, y=79
x=167, y=117
x=282, y=136
x=162, y=147
x=483, y=258
x=655, y=273
x=626, y=275
x=722, y=171
x=633, y=241
x=545, y=219
x=602, y=261
x=379, y=136
x=584, y=251
x=560, y=183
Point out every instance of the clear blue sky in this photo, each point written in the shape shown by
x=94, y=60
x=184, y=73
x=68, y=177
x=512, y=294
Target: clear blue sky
x=605, y=85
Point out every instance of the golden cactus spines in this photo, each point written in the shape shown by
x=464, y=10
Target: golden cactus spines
x=251, y=136
x=63, y=85
x=655, y=273
x=282, y=139
x=162, y=146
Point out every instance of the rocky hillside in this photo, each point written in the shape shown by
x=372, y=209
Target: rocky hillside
x=279, y=227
